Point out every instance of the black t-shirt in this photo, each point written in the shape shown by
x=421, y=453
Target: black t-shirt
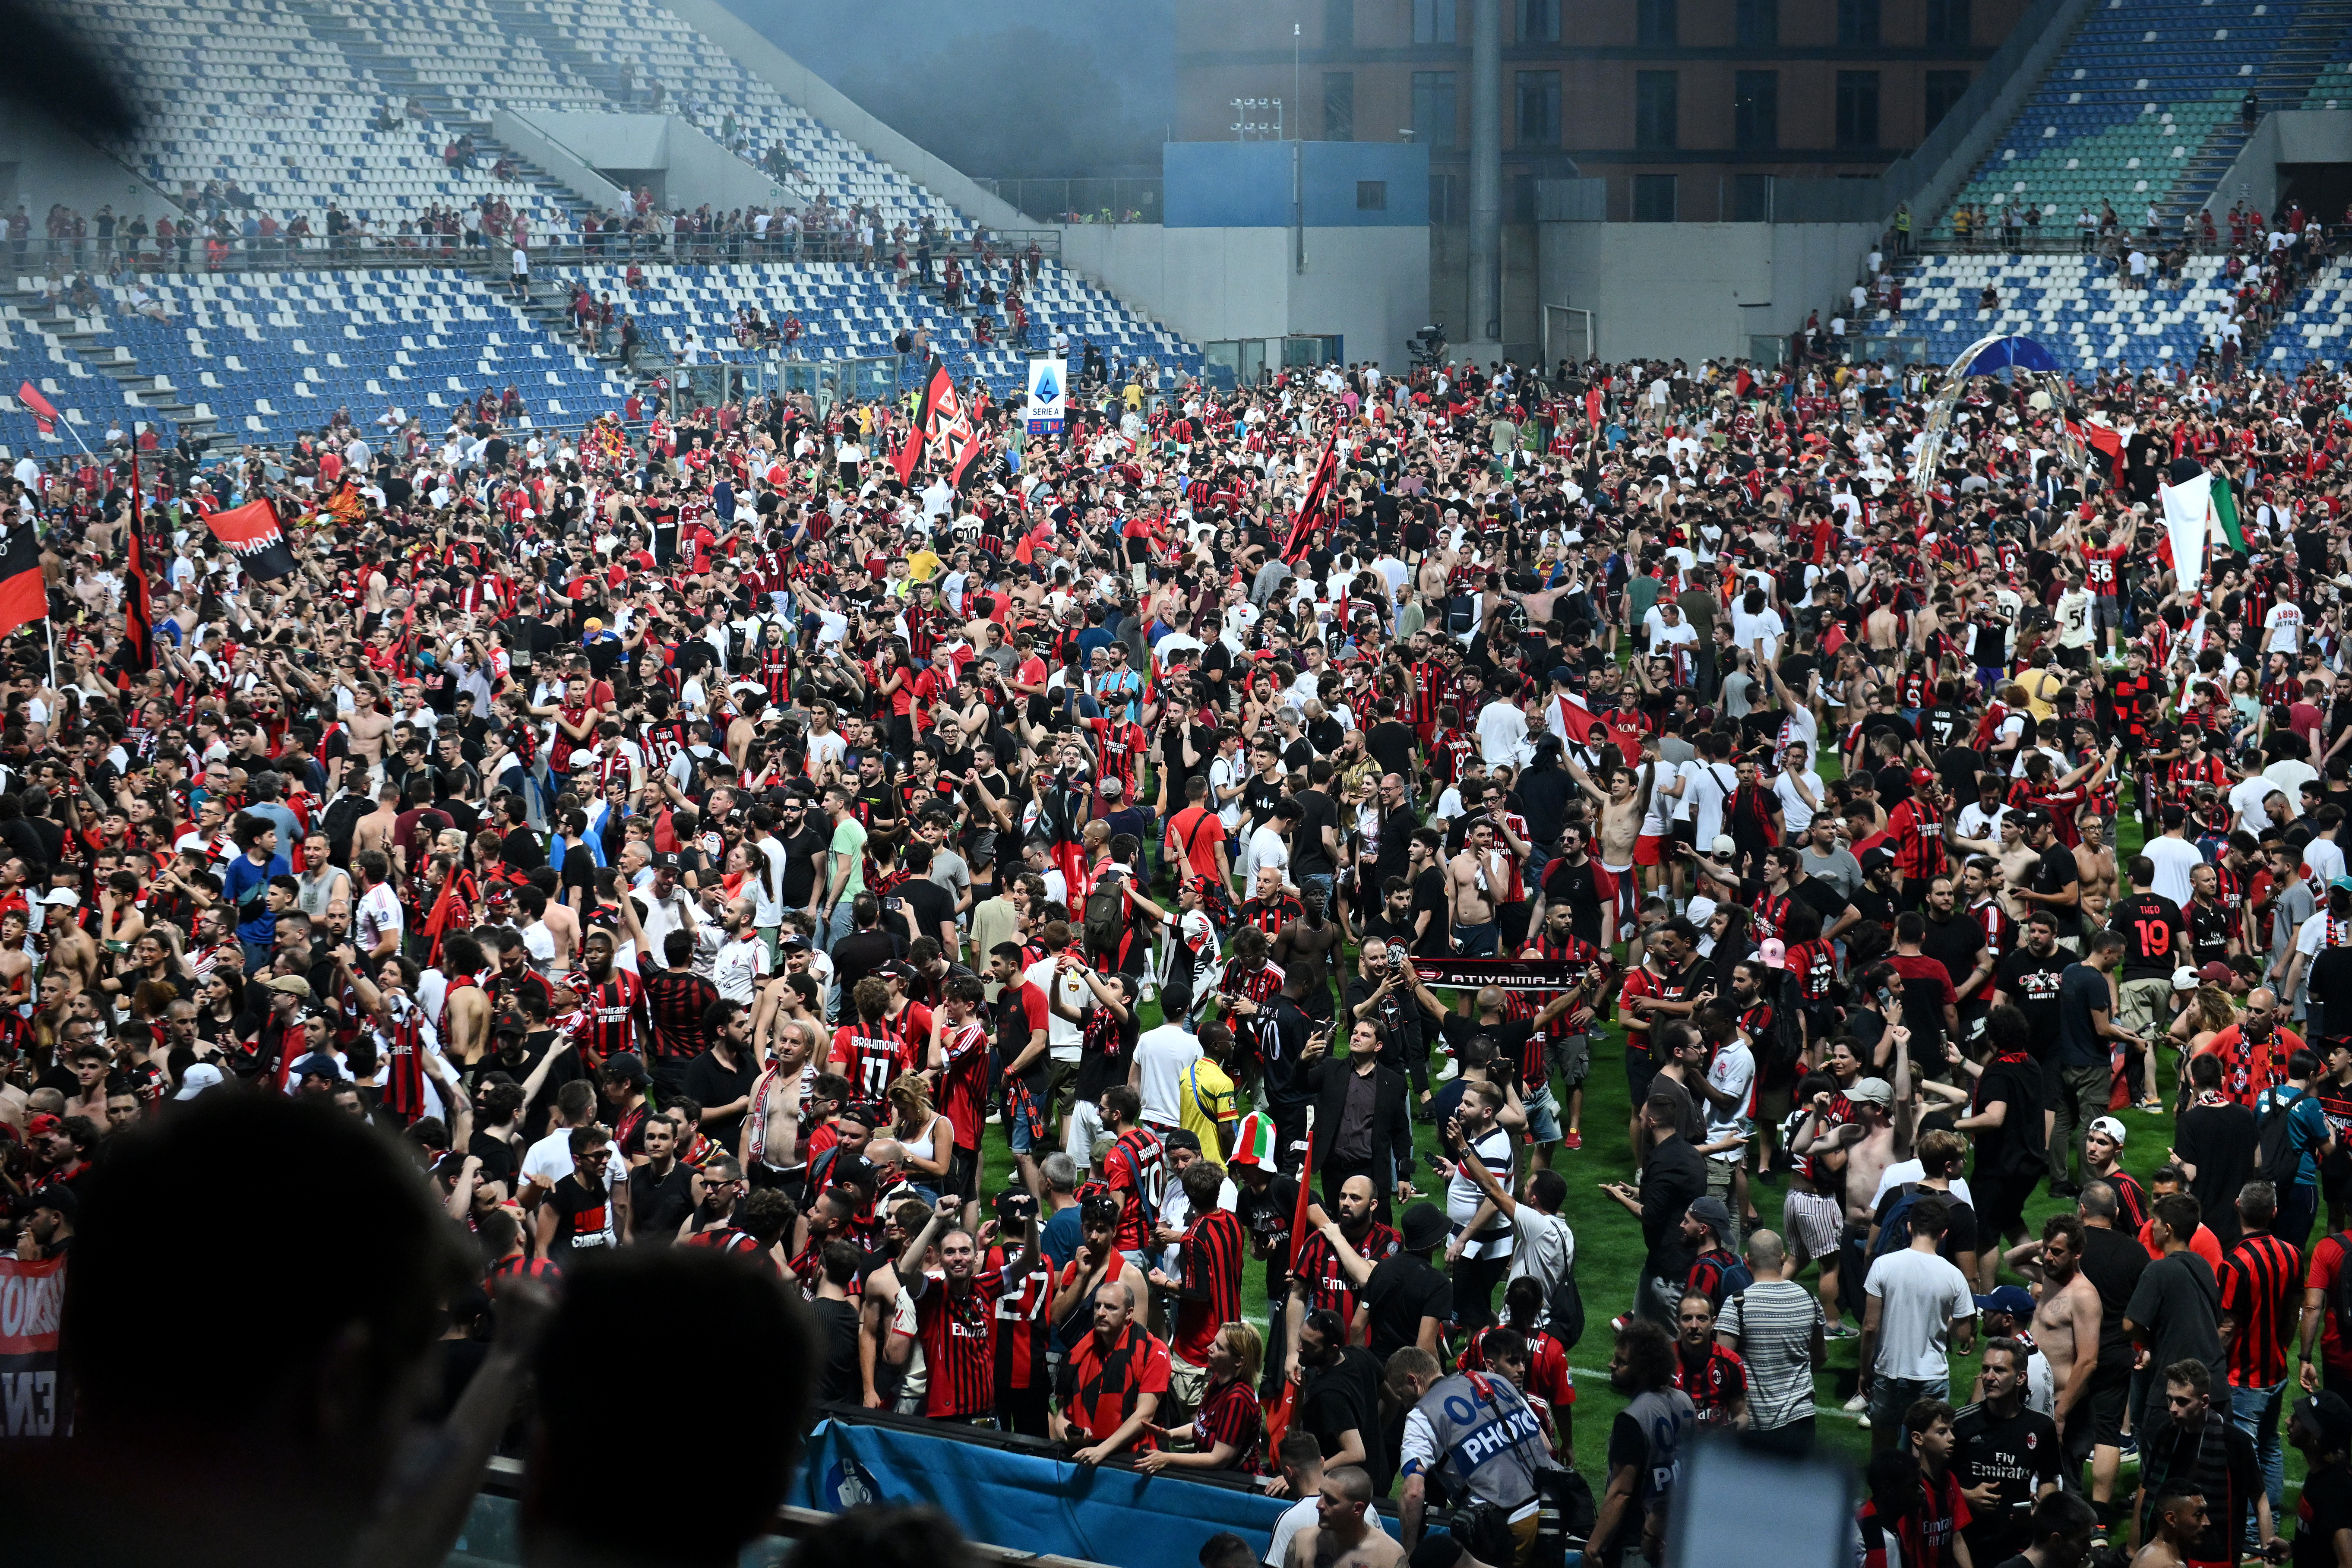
x=580, y=872
x=1308, y=857
x=928, y=905
x=1957, y=943
x=1402, y=1291
x=2018, y=1454
x=2113, y=1262
x=1346, y=1398
x=2031, y=981
x=802, y=856
x=2052, y=874
x=1391, y=745
x=659, y=1205
x=712, y=1084
x=836, y=1327
x=1429, y=893
x=2016, y=1147
x=2326, y=1508
x=1824, y=897
x=2151, y=926
x=2219, y=1141
x=1260, y=796
x=2330, y=984
x=859, y=955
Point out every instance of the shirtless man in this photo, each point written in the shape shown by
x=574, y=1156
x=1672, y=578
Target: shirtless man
x=1475, y=882
x=465, y=1022
x=1878, y=1136
x=2065, y=1326
x=2095, y=861
x=72, y=954
x=1343, y=1532
x=2017, y=860
x=374, y=830
x=564, y=930
x=368, y=723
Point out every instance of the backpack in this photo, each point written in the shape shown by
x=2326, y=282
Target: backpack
x=1786, y=1042
x=1106, y=918
x=1894, y=1230
x=2277, y=1154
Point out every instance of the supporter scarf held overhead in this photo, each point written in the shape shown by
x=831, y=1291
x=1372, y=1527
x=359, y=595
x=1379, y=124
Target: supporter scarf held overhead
x=253, y=532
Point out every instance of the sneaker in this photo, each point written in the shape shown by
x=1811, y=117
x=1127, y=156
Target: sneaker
x=1863, y=1422
x=2130, y=1447
x=1841, y=1329
x=1859, y=1402
x=1573, y=1140
x=1449, y=1072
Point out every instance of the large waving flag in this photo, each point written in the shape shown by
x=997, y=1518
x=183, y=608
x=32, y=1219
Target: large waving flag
x=45, y=413
x=138, y=652
x=1318, y=493
x=253, y=532
x=2225, y=509
x=2188, y=520
x=23, y=592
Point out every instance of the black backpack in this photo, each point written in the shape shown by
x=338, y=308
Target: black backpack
x=1565, y=1310
x=1105, y=917
x=2276, y=1155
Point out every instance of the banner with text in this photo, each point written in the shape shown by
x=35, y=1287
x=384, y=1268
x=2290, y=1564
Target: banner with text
x=1049, y=397
x=32, y=1398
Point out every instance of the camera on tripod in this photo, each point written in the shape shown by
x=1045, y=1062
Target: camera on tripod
x=1428, y=345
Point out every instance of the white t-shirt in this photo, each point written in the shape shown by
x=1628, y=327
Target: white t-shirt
x=2175, y=859
x=1733, y=1072
x=1920, y=1296
x=1266, y=848
x=1463, y=1195
x=378, y=914
x=1062, y=1037
x=1795, y=815
x=1294, y=1517
x=2285, y=626
x=1162, y=1055
x=738, y=965
x=1904, y=1171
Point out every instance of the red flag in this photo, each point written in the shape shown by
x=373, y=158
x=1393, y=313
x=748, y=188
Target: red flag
x=1278, y=1420
x=903, y=459
x=1318, y=491
x=437, y=923
x=138, y=654
x=23, y=592
x=253, y=532
x=45, y=413
x=1592, y=406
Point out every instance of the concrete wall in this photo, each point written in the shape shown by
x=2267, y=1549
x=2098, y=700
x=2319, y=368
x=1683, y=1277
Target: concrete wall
x=1691, y=290
x=609, y=151
x=2288, y=136
x=1368, y=286
x=812, y=92
x=1253, y=185
x=41, y=164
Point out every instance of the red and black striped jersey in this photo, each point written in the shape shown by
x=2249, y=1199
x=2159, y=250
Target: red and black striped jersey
x=1328, y=1287
x=1136, y=1170
x=870, y=1062
x=1259, y=986
x=1917, y=830
x=1211, y=1297
x=611, y=1014
x=1229, y=1413
x=676, y=1000
x=2262, y=1286
x=1024, y=1329
x=1270, y=915
x=1714, y=1383
x=2000, y=928
x=958, y=1331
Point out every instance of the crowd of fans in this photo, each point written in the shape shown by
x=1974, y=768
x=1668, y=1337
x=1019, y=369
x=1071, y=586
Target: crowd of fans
x=1017, y=912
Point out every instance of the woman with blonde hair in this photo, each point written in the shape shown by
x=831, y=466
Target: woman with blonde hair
x=1228, y=1429
x=927, y=1137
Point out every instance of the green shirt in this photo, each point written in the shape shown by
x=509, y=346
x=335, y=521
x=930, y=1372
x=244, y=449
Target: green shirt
x=1641, y=593
x=848, y=840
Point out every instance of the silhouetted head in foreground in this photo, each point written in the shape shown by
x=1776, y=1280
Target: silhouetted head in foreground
x=744, y=1327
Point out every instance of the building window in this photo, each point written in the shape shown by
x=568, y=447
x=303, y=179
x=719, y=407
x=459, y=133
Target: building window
x=1751, y=198
x=1654, y=108
x=1857, y=23
x=1654, y=22
x=1755, y=110
x=1758, y=22
x=1371, y=195
x=1857, y=109
x=1432, y=110
x=1949, y=25
x=1538, y=108
x=1539, y=21
x=1432, y=21
x=1944, y=90
x=1339, y=23
x=1339, y=106
x=1653, y=198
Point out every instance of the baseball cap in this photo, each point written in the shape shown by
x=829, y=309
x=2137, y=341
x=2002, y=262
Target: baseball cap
x=1922, y=777
x=63, y=898
x=2111, y=1128
x=665, y=862
x=1111, y=785
x=43, y=1124
x=1711, y=1213
x=2013, y=1299
x=1873, y=1092
x=2343, y=882
x=198, y=1078
x=1773, y=952
x=1724, y=844
x=2215, y=974
x=2184, y=978
x=1874, y=857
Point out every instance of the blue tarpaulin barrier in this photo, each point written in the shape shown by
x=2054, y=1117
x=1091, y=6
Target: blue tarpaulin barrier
x=1022, y=1500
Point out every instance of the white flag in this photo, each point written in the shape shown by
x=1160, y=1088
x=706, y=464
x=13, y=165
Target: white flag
x=2187, y=511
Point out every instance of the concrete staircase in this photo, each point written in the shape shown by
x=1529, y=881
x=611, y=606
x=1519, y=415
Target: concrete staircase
x=87, y=339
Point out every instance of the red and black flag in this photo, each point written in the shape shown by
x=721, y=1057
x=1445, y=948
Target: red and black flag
x=904, y=458
x=1319, y=492
x=138, y=653
x=45, y=413
x=253, y=532
x=23, y=592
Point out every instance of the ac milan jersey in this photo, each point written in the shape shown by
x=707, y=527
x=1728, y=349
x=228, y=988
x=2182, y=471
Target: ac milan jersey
x=869, y=1062
x=959, y=1338
x=1328, y=1287
x=609, y=1015
x=1137, y=1169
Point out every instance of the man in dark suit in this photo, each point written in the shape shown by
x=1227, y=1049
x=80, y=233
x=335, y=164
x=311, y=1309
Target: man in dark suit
x=1362, y=1124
